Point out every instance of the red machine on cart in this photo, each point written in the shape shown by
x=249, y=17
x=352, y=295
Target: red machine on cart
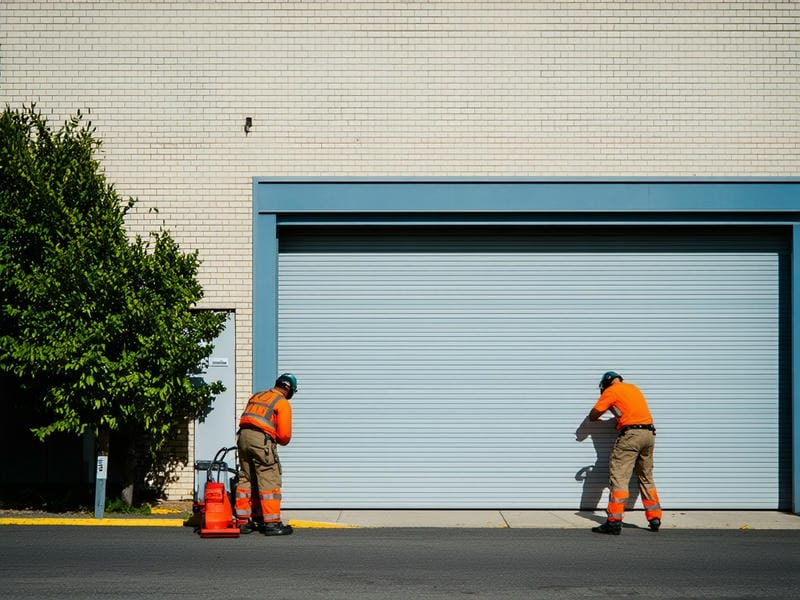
x=215, y=507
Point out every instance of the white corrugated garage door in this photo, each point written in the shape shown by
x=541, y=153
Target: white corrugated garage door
x=453, y=368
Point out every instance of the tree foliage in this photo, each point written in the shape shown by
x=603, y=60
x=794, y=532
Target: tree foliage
x=98, y=328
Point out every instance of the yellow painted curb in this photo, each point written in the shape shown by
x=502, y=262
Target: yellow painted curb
x=90, y=522
x=300, y=524
x=166, y=511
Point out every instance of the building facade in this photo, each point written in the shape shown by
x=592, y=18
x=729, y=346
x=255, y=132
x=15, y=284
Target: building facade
x=193, y=100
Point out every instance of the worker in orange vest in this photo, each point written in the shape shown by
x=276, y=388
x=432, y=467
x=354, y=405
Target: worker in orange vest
x=265, y=423
x=633, y=448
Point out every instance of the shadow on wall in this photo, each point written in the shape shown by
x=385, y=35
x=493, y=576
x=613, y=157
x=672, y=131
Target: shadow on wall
x=603, y=434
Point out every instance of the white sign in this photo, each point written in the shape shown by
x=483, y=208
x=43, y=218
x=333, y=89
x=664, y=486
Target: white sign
x=218, y=362
x=102, y=467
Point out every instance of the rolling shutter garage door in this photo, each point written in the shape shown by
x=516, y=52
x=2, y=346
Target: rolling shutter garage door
x=454, y=368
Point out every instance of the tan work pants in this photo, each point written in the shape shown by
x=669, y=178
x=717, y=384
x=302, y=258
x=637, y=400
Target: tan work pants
x=633, y=451
x=259, y=476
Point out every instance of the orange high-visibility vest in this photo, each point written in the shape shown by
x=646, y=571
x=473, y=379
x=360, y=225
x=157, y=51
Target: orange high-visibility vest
x=627, y=402
x=270, y=412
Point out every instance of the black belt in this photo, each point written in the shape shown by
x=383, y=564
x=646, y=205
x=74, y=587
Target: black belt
x=258, y=429
x=627, y=427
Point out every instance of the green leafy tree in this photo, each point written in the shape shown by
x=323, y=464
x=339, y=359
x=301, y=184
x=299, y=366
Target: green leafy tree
x=98, y=329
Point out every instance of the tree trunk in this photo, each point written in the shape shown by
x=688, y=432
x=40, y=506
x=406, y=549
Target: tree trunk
x=127, y=494
x=103, y=441
x=129, y=469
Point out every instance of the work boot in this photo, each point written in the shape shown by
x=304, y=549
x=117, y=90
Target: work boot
x=251, y=526
x=609, y=527
x=277, y=529
x=248, y=527
x=655, y=524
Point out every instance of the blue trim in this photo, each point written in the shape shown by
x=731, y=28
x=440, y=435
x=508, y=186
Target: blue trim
x=795, y=362
x=478, y=201
x=265, y=301
x=510, y=196
x=588, y=219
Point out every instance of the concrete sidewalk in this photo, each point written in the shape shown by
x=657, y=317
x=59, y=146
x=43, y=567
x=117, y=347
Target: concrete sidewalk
x=513, y=519
x=541, y=519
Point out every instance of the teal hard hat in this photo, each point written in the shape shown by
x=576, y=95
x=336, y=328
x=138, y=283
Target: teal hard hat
x=289, y=380
x=607, y=378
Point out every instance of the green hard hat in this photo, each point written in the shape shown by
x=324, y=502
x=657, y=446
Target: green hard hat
x=290, y=380
x=607, y=378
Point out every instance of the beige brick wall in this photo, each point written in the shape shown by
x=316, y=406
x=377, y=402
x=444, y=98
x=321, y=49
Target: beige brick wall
x=399, y=89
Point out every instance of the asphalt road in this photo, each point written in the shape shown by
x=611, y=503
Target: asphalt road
x=121, y=562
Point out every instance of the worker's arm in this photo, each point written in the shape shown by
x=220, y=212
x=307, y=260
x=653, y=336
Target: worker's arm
x=595, y=414
x=603, y=403
x=283, y=423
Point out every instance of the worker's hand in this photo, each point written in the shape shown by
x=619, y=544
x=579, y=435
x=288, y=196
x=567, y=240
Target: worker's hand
x=582, y=432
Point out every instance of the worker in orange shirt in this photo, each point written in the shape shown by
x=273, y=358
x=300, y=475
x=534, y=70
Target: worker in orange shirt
x=265, y=423
x=633, y=448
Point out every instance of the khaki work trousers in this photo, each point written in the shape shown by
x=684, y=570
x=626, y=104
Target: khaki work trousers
x=633, y=451
x=259, y=477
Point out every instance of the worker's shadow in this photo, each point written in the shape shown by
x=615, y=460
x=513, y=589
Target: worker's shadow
x=595, y=477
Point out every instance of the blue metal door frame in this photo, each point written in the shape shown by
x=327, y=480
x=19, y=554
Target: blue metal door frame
x=286, y=202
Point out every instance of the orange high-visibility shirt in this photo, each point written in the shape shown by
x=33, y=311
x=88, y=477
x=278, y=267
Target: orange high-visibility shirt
x=627, y=402
x=271, y=412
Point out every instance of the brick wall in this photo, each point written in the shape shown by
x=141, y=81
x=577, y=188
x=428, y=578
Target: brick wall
x=398, y=89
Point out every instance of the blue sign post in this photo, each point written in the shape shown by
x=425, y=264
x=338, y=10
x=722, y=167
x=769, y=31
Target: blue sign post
x=100, y=486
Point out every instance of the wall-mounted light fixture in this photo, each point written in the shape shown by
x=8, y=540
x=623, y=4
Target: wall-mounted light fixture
x=248, y=124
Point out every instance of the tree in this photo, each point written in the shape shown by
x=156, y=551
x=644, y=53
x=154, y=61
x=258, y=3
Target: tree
x=98, y=329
